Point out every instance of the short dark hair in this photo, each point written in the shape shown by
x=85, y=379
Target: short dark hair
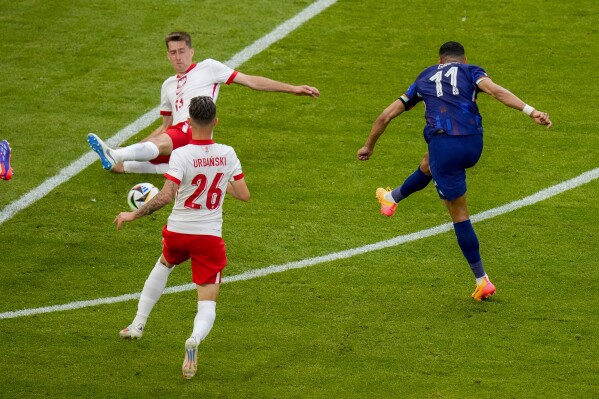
x=202, y=110
x=178, y=37
x=452, y=49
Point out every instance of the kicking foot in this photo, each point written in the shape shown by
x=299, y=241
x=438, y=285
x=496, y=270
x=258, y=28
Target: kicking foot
x=483, y=290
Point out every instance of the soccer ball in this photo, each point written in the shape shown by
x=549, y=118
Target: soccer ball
x=140, y=194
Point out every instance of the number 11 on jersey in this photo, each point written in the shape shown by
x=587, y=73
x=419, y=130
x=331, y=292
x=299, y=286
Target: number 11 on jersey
x=452, y=74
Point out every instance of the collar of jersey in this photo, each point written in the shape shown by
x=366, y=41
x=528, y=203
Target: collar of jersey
x=186, y=72
x=201, y=142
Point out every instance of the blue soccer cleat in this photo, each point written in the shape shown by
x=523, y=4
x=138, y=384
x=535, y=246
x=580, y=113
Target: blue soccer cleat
x=103, y=151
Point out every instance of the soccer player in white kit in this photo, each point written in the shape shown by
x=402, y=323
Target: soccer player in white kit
x=192, y=80
x=198, y=177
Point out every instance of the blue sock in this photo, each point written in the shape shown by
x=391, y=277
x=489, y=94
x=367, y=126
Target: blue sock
x=468, y=243
x=415, y=182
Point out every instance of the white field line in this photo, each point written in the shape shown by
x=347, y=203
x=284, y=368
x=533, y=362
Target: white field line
x=148, y=118
x=512, y=206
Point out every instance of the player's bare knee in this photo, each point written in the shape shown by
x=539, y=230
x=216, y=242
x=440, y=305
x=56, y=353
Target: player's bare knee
x=165, y=262
x=424, y=165
x=458, y=210
x=164, y=143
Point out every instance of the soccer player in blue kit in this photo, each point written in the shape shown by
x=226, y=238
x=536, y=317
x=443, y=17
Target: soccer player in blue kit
x=454, y=134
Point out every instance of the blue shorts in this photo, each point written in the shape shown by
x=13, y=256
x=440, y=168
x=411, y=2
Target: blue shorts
x=449, y=157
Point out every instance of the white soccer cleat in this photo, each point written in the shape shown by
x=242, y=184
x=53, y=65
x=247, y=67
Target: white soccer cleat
x=132, y=332
x=103, y=151
x=190, y=363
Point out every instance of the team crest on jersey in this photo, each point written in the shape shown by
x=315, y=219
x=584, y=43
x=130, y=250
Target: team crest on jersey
x=180, y=83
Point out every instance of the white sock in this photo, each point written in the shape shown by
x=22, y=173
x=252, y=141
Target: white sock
x=151, y=293
x=204, y=320
x=389, y=197
x=145, y=167
x=145, y=151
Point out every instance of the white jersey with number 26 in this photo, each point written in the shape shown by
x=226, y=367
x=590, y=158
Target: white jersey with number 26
x=201, y=79
x=202, y=170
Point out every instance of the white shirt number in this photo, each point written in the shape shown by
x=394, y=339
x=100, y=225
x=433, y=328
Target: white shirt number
x=452, y=74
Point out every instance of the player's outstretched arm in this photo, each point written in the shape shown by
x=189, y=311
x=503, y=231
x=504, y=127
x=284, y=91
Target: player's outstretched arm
x=165, y=196
x=265, y=84
x=378, y=128
x=511, y=100
x=238, y=189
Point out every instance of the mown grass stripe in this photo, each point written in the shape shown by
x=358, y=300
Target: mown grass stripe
x=542, y=195
x=149, y=117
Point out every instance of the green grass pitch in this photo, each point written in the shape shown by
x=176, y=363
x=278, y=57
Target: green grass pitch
x=393, y=323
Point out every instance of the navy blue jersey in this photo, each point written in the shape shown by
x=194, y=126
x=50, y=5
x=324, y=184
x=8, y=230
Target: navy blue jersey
x=449, y=94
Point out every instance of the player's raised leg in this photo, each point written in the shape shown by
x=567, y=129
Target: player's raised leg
x=110, y=157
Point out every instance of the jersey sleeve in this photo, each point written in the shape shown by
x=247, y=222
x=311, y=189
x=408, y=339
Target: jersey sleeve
x=236, y=171
x=165, y=104
x=175, y=168
x=220, y=72
x=411, y=97
x=478, y=74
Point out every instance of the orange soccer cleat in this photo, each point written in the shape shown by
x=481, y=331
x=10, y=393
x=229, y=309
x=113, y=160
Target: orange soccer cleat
x=387, y=208
x=483, y=290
